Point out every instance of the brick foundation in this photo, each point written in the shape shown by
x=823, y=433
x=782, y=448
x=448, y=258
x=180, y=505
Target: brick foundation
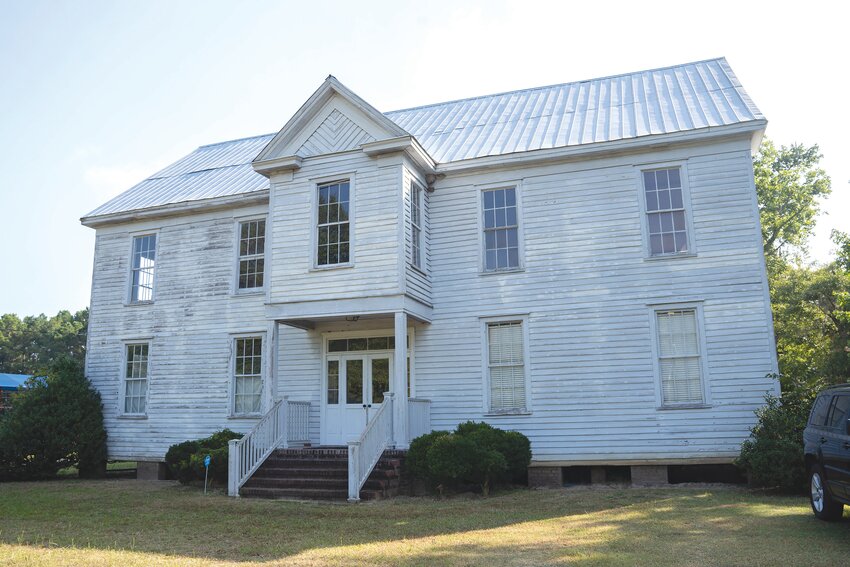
x=649, y=475
x=151, y=470
x=545, y=477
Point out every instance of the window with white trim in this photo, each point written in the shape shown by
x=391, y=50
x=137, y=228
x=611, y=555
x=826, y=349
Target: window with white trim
x=679, y=363
x=252, y=248
x=506, y=366
x=416, y=225
x=143, y=263
x=665, y=212
x=247, y=375
x=136, y=378
x=334, y=224
x=501, y=229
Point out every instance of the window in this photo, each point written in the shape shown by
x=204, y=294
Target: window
x=501, y=230
x=334, y=234
x=506, y=366
x=665, y=212
x=416, y=224
x=136, y=379
x=838, y=411
x=143, y=263
x=252, y=246
x=248, y=375
x=679, y=357
x=819, y=411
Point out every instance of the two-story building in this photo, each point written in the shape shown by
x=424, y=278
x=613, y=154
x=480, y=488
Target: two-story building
x=581, y=263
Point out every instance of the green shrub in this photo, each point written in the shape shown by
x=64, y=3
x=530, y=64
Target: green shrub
x=475, y=453
x=55, y=422
x=455, y=460
x=416, y=461
x=773, y=455
x=186, y=460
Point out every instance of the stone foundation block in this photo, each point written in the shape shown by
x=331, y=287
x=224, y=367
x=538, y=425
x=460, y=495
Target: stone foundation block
x=649, y=475
x=151, y=470
x=545, y=477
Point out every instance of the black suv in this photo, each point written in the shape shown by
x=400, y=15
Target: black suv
x=827, y=449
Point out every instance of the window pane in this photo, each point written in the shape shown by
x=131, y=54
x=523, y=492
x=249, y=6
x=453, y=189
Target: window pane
x=354, y=381
x=679, y=363
x=380, y=379
x=333, y=381
x=337, y=345
x=505, y=342
x=838, y=416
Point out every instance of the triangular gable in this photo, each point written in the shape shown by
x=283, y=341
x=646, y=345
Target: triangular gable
x=333, y=119
x=337, y=133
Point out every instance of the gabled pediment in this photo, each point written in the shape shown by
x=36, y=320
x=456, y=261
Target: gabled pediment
x=333, y=119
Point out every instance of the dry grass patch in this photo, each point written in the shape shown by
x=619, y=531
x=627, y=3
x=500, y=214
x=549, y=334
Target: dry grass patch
x=136, y=523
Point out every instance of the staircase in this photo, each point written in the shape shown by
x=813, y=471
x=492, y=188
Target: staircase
x=321, y=473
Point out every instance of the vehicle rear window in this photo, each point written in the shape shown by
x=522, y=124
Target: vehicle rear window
x=839, y=410
x=819, y=410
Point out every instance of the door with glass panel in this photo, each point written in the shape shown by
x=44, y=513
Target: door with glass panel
x=354, y=392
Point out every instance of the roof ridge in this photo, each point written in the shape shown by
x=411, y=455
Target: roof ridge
x=540, y=88
x=236, y=140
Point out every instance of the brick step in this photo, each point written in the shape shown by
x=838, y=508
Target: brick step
x=298, y=493
x=295, y=463
x=303, y=482
x=293, y=472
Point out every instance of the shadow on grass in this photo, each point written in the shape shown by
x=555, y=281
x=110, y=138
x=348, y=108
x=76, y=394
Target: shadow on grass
x=611, y=526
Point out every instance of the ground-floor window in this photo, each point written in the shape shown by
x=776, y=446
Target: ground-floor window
x=679, y=364
x=506, y=366
x=136, y=378
x=247, y=375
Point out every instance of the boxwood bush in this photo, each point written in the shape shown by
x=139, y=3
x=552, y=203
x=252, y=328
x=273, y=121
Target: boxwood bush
x=474, y=454
x=186, y=460
x=56, y=421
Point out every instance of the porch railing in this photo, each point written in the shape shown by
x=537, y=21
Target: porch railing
x=418, y=417
x=365, y=453
x=285, y=422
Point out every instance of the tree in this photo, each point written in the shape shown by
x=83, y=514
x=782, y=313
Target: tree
x=30, y=345
x=790, y=185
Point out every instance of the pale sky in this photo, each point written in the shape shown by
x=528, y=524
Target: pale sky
x=96, y=96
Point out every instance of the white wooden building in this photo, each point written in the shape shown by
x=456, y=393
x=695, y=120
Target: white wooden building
x=580, y=262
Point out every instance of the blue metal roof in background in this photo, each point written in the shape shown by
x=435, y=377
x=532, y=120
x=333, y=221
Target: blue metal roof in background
x=660, y=101
x=12, y=381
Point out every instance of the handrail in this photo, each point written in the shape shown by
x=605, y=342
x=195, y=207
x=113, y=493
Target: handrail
x=245, y=455
x=365, y=453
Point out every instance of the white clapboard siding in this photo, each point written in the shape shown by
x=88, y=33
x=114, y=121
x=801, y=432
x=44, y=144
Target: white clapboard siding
x=189, y=326
x=375, y=263
x=585, y=288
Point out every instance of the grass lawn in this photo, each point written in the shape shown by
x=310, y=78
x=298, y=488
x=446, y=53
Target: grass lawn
x=128, y=522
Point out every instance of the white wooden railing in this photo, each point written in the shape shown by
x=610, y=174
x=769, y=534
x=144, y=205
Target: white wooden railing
x=285, y=422
x=418, y=417
x=365, y=453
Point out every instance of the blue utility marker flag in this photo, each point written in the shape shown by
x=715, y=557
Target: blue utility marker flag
x=207, y=461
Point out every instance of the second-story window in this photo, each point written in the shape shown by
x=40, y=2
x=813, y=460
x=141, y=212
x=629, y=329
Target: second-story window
x=501, y=230
x=416, y=225
x=334, y=224
x=252, y=247
x=665, y=212
x=143, y=264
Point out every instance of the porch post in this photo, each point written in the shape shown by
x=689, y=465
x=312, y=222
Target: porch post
x=400, y=382
x=270, y=383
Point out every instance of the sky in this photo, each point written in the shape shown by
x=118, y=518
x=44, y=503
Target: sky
x=96, y=96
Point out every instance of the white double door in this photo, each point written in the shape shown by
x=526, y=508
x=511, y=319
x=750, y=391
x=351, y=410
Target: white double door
x=355, y=386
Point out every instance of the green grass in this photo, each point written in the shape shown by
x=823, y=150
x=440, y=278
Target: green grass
x=126, y=522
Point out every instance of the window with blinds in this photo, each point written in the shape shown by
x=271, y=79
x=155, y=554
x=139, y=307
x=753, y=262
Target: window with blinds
x=248, y=375
x=679, y=357
x=136, y=378
x=506, y=366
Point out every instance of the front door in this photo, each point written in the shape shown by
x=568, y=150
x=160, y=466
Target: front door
x=355, y=390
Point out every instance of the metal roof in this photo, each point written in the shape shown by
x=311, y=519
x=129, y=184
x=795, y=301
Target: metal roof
x=12, y=381
x=216, y=170
x=659, y=101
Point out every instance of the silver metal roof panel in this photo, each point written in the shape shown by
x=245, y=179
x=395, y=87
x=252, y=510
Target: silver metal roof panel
x=660, y=101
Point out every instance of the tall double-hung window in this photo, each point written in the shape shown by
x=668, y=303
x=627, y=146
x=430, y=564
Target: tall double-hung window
x=136, y=378
x=247, y=375
x=506, y=366
x=416, y=225
x=666, y=217
x=143, y=263
x=501, y=229
x=252, y=248
x=334, y=224
x=679, y=357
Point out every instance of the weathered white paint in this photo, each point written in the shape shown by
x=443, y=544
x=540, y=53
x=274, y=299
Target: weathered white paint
x=584, y=292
